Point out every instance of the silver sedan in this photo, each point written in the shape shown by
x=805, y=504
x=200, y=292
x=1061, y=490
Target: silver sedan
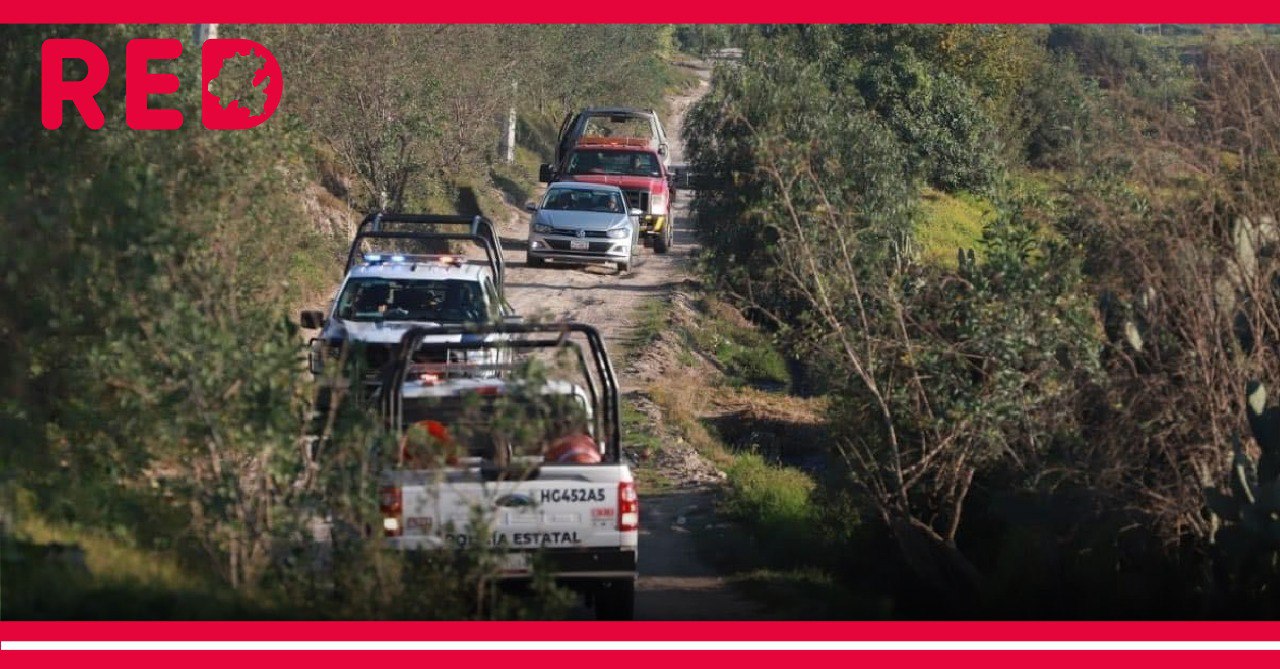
x=583, y=222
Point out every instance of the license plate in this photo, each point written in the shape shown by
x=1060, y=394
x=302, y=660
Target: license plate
x=515, y=562
x=575, y=245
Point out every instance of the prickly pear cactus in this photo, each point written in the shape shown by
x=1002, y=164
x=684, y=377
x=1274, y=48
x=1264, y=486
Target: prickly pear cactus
x=1248, y=541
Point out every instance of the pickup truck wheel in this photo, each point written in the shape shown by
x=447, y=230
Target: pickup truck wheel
x=616, y=600
x=534, y=261
x=662, y=242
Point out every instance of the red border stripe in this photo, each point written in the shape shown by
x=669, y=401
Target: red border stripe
x=667, y=659
x=705, y=11
x=736, y=11
x=640, y=631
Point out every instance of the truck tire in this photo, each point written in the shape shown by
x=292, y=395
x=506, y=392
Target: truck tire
x=534, y=261
x=616, y=600
x=662, y=243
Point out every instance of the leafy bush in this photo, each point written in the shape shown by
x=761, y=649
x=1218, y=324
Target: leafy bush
x=777, y=111
x=936, y=115
x=949, y=379
x=1061, y=109
x=777, y=502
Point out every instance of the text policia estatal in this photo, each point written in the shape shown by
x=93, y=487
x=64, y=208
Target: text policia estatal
x=520, y=539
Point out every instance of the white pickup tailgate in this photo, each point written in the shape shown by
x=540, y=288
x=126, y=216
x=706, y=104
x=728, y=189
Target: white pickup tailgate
x=565, y=506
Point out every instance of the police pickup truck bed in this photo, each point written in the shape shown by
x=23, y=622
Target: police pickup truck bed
x=526, y=461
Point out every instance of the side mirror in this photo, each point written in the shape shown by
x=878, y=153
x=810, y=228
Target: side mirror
x=544, y=173
x=663, y=149
x=637, y=212
x=681, y=178
x=531, y=206
x=312, y=319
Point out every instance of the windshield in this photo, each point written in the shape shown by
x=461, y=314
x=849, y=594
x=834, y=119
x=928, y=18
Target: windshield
x=437, y=301
x=618, y=163
x=578, y=199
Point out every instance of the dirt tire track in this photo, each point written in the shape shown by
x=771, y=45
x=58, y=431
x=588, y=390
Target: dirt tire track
x=675, y=582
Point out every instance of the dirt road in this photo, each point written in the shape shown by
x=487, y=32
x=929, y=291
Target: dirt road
x=599, y=295
x=675, y=583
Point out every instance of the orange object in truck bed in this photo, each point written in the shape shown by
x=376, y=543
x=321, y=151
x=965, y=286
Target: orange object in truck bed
x=576, y=448
x=598, y=140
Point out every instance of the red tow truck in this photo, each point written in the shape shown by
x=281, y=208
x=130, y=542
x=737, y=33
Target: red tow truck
x=635, y=165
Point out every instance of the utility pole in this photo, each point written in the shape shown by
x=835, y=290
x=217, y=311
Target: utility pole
x=203, y=31
x=511, y=124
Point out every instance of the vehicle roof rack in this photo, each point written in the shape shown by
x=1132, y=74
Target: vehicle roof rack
x=618, y=110
x=473, y=224
x=389, y=225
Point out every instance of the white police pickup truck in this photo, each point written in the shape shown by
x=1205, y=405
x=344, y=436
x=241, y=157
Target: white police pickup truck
x=386, y=293
x=527, y=462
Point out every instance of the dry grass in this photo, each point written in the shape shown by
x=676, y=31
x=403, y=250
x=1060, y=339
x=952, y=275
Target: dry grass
x=111, y=560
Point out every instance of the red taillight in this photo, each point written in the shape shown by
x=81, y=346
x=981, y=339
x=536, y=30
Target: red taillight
x=389, y=502
x=628, y=507
x=427, y=375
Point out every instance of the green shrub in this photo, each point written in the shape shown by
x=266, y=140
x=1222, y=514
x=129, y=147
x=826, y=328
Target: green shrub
x=776, y=503
x=936, y=115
